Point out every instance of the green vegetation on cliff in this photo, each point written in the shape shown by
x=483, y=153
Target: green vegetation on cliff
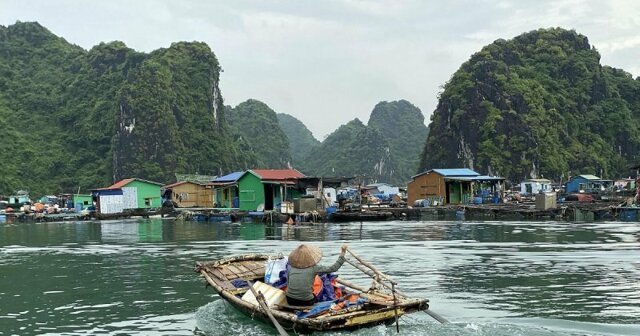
x=402, y=125
x=352, y=150
x=256, y=127
x=385, y=150
x=301, y=140
x=77, y=118
x=73, y=118
x=537, y=105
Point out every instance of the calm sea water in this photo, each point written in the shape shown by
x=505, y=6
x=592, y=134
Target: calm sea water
x=135, y=277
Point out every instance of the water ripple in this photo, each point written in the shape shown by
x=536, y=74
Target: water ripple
x=136, y=277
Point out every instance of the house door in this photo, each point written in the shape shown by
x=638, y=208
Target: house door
x=268, y=196
x=447, y=198
x=454, y=192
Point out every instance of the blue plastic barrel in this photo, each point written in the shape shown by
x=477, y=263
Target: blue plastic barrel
x=629, y=215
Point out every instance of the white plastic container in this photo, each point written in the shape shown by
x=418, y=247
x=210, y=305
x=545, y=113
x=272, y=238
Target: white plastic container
x=272, y=295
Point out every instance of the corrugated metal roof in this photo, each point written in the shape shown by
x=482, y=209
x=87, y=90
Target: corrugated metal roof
x=122, y=183
x=201, y=179
x=456, y=172
x=168, y=186
x=539, y=180
x=487, y=178
x=233, y=177
x=378, y=185
x=278, y=174
x=589, y=177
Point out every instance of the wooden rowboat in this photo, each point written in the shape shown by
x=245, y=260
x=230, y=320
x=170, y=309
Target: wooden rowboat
x=380, y=307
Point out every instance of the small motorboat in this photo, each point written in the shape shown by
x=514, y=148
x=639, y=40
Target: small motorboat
x=233, y=277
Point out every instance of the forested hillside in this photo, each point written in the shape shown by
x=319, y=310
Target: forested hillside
x=301, y=140
x=385, y=150
x=402, y=125
x=82, y=119
x=540, y=104
x=75, y=118
x=255, y=127
x=352, y=150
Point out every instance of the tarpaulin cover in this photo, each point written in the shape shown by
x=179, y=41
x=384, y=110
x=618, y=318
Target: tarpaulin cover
x=335, y=305
x=329, y=291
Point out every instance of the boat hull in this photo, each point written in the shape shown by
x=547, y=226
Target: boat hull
x=370, y=314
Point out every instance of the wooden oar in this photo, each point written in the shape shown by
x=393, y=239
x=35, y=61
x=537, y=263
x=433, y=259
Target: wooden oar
x=393, y=283
x=373, y=268
x=436, y=316
x=263, y=304
x=373, y=276
x=395, y=306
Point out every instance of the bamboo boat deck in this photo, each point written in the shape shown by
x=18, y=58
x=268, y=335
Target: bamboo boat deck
x=380, y=306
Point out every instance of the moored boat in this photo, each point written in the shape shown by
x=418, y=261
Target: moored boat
x=230, y=277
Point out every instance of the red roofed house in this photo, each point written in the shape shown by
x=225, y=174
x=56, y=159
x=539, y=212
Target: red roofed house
x=127, y=194
x=264, y=189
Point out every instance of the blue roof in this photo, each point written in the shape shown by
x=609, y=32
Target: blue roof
x=456, y=172
x=233, y=177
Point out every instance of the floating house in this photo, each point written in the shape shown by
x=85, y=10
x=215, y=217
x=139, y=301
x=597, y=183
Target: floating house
x=534, y=186
x=82, y=201
x=19, y=199
x=624, y=184
x=587, y=184
x=383, y=188
x=452, y=186
x=226, y=190
x=188, y=194
x=127, y=194
x=323, y=189
x=49, y=199
x=265, y=189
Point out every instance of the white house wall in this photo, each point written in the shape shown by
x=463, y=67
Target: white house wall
x=111, y=204
x=130, y=198
x=389, y=190
x=330, y=194
x=536, y=187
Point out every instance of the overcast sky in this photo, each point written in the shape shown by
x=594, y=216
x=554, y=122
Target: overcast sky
x=328, y=62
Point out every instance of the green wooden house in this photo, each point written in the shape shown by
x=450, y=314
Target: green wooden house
x=226, y=190
x=132, y=193
x=265, y=189
x=84, y=201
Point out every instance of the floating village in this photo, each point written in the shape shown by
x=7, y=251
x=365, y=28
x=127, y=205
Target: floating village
x=288, y=196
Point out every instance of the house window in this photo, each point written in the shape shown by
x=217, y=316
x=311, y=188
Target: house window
x=147, y=202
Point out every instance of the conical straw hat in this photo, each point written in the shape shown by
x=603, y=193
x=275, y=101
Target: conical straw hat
x=305, y=256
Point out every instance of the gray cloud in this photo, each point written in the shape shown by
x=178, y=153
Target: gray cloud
x=329, y=62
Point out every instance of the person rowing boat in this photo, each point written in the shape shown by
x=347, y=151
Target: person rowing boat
x=302, y=270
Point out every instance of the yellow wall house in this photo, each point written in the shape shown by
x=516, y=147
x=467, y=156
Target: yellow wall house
x=451, y=186
x=190, y=194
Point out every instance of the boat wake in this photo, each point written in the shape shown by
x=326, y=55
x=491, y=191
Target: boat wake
x=220, y=318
